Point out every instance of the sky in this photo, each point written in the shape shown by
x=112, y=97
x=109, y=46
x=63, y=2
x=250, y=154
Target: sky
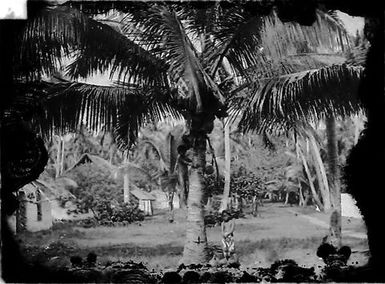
x=352, y=24
x=13, y=9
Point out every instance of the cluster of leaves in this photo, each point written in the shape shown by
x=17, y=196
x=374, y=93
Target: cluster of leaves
x=246, y=184
x=215, y=218
x=214, y=185
x=121, y=213
x=94, y=183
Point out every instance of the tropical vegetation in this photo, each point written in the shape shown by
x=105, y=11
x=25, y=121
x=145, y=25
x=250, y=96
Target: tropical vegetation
x=196, y=61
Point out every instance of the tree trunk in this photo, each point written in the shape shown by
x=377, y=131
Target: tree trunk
x=255, y=206
x=226, y=190
x=209, y=204
x=301, y=198
x=126, y=182
x=62, y=156
x=21, y=217
x=321, y=175
x=195, y=249
x=170, y=197
x=183, y=184
x=313, y=191
x=58, y=147
x=335, y=217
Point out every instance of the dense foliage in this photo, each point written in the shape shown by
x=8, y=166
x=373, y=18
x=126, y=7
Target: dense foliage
x=100, y=193
x=246, y=184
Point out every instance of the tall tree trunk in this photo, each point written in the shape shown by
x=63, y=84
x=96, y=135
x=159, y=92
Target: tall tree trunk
x=301, y=198
x=183, y=184
x=62, y=155
x=335, y=190
x=321, y=175
x=209, y=204
x=226, y=190
x=58, y=156
x=195, y=249
x=313, y=191
x=126, y=181
x=21, y=217
x=170, y=197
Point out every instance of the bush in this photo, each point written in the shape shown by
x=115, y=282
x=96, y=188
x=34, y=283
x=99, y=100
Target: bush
x=246, y=184
x=101, y=194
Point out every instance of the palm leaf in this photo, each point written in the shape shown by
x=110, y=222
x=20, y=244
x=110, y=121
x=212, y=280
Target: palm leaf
x=277, y=104
x=47, y=37
x=235, y=35
x=96, y=47
x=164, y=29
x=122, y=110
x=326, y=35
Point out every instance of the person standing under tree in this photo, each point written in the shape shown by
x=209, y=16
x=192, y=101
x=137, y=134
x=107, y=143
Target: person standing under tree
x=227, y=226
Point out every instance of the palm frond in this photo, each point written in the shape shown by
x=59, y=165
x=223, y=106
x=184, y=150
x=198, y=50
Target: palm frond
x=277, y=104
x=122, y=110
x=163, y=29
x=151, y=106
x=157, y=145
x=107, y=50
x=236, y=36
x=96, y=47
x=47, y=37
x=326, y=35
x=269, y=69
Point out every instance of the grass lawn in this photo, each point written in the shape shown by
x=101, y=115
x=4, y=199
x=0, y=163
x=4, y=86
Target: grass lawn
x=279, y=232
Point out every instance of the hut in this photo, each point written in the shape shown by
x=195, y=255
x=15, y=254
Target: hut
x=34, y=212
x=39, y=204
x=144, y=200
x=98, y=161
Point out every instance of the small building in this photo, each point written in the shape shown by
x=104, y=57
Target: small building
x=94, y=159
x=144, y=200
x=34, y=212
x=39, y=205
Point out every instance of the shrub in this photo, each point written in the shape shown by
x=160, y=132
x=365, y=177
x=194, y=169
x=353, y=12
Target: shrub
x=100, y=193
x=246, y=184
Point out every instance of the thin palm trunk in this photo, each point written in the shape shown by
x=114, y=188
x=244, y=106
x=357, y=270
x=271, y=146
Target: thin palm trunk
x=195, y=248
x=58, y=155
x=62, y=156
x=308, y=174
x=301, y=198
x=21, y=217
x=183, y=184
x=226, y=190
x=170, y=197
x=126, y=182
x=321, y=175
x=335, y=218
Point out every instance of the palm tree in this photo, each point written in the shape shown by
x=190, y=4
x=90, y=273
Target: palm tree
x=279, y=103
x=167, y=58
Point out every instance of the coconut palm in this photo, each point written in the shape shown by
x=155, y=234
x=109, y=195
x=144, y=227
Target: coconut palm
x=167, y=58
x=278, y=103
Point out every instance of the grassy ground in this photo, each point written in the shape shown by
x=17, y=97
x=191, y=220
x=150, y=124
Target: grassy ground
x=279, y=232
